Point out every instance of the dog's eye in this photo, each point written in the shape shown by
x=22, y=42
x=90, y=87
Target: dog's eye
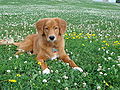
x=56, y=28
x=46, y=28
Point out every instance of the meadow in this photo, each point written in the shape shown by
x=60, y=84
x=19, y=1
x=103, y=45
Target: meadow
x=92, y=41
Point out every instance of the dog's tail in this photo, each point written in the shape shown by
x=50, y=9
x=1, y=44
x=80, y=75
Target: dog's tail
x=9, y=42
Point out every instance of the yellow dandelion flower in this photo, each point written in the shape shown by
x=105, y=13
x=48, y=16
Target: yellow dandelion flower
x=39, y=63
x=18, y=75
x=66, y=38
x=116, y=41
x=12, y=80
x=104, y=41
x=80, y=34
x=103, y=47
x=78, y=37
x=107, y=44
x=73, y=37
x=106, y=84
x=66, y=34
x=93, y=35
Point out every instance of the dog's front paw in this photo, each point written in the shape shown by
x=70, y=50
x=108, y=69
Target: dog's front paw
x=78, y=68
x=46, y=71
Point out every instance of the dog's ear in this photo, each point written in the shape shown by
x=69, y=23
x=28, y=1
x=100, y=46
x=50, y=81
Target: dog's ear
x=40, y=25
x=62, y=25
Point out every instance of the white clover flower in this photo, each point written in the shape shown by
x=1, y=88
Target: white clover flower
x=8, y=71
x=105, y=74
x=51, y=71
x=85, y=74
x=25, y=61
x=99, y=67
x=107, y=51
x=100, y=72
x=40, y=72
x=65, y=77
x=90, y=41
x=113, y=65
x=75, y=84
x=99, y=49
x=58, y=81
x=105, y=59
x=98, y=87
x=118, y=65
x=66, y=88
x=84, y=84
x=112, y=53
x=56, y=71
x=44, y=80
x=118, y=58
x=16, y=56
x=109, y=58
x=10, y=58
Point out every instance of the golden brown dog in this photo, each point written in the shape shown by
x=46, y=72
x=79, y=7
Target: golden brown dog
x=48, y=43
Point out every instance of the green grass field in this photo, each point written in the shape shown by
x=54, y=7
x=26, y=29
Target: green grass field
x=92, y=41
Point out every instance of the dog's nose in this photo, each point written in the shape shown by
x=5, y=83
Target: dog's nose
x=51, y=37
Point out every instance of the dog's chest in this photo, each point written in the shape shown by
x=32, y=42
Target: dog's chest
x=55, y=53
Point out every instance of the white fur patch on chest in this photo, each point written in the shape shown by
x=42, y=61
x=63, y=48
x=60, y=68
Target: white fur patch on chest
x=55, y=57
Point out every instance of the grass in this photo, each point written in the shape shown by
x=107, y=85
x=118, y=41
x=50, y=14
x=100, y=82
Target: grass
x=92, y=41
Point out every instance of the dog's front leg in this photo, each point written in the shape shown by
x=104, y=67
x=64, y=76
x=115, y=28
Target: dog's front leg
x=44, y=66
x=66, y=59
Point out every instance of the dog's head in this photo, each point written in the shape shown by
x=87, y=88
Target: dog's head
x=52, y=28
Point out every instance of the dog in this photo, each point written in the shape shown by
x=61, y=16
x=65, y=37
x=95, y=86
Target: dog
x=47, y=43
